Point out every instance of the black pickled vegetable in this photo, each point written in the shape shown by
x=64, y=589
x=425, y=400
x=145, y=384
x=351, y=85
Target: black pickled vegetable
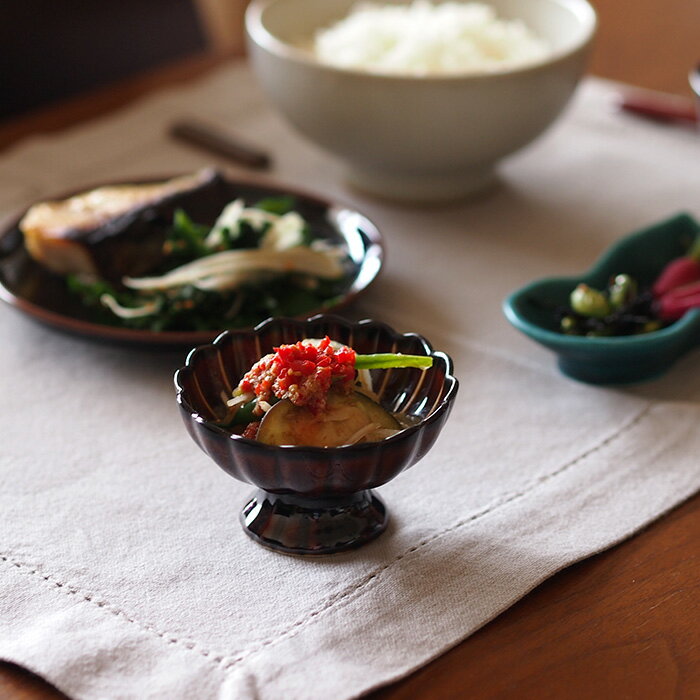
x=620, y=309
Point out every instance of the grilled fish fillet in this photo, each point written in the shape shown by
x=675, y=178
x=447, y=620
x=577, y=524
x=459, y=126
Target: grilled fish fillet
x=115, y=230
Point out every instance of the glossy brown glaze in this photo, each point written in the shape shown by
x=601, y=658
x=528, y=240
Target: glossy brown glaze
x=294, y=525
x=315, y=474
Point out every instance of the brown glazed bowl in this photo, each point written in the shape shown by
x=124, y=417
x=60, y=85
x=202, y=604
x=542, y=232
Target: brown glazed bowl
x=315, y=500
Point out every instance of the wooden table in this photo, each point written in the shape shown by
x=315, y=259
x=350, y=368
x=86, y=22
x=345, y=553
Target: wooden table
x=623, y=624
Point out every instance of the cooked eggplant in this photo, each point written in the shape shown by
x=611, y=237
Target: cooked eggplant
x=348, y=418
x=114, y=231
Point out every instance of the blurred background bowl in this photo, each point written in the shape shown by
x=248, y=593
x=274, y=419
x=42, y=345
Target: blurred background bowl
x=409, y=137
x=614, y=359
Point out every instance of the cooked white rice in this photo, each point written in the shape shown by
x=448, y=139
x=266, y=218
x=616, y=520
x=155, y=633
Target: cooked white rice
x=426, y=38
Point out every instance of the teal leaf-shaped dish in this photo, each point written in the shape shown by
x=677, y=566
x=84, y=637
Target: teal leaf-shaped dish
x=621, y=359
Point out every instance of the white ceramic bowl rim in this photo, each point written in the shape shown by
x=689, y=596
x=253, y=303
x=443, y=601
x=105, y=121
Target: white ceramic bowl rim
x=258, y=32
x=694, y=79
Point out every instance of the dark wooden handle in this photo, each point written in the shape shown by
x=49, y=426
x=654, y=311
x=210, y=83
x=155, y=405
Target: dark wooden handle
x=221, y=144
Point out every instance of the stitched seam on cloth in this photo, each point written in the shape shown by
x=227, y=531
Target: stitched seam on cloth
x=346, y=597
x=339, y=599
x=117, y=612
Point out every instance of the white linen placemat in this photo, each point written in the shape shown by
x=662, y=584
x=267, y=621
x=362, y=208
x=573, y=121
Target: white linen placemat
x=124, y=571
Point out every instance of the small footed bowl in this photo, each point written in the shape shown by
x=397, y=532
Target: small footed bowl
x=621, y=359
x=315, y=500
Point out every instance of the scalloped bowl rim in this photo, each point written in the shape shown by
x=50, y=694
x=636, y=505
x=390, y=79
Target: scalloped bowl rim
x=451, y=382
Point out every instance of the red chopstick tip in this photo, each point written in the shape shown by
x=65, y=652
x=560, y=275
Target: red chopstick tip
x=660, y=107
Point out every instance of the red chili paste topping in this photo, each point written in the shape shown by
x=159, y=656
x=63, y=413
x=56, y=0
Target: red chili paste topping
x=303, y=373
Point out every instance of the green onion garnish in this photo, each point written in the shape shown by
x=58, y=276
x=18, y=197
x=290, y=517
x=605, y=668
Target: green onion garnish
x=387, y=360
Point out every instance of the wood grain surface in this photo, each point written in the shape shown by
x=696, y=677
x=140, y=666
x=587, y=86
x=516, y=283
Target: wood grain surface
x=623, y=624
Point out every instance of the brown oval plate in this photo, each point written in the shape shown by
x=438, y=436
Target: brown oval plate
x=44, y=296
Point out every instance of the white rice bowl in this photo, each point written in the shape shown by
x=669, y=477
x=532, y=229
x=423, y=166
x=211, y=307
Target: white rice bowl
x=424, y=38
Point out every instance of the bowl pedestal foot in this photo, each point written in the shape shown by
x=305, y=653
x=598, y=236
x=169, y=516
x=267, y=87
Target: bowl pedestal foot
x=299, y=525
